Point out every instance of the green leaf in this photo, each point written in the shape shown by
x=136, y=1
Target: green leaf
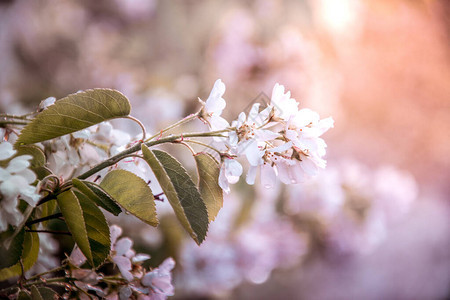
x=42, y=293
x=132, y=193
x=75, y=112
x=87, y=224
x=98, y=195
x=29, y=256
x=11, y=255
x=208, y=183
x=46, y=209
x=182, y=193
x=24, y=295
x=42, y=172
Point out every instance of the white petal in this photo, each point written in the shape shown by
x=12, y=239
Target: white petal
x=115, y=232
x=4, y=175
x=264, y=135
x=309, y=166
x=218, y=123
x=12, y=187
x=6, y=150
x=241, y=119
x=223, y=181
x=325, y=124
x=296, y=173
x=251, y=175
x=167, y=265
x=28, y=175
x=268, y=176
x=253, y=153
x=77, y=257
x=140, y=258
x=82, y=134
x=306, y=116
x=124, y=265
x=123, y=245
x=215, y=103
x=265, y=113
x=18, y=163
x=282, y=148
x=253, y=114
x=30, y=195
x=233, y=170
x=233, y=138
x=47, y=102
x=283, y=173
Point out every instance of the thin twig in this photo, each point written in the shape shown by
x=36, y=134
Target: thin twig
x=49, y=231
x=182, y=121
x=144, y=132
x=54, y=216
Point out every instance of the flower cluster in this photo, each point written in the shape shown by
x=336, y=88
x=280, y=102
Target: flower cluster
x=15, y=183
x=279, y=140
x=133, y=279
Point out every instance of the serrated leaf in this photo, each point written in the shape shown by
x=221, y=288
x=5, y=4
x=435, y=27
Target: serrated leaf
x=87, y=224
x=98, y=195
x=29, y=256
x=75, y=112
x=181, y=192
x=11, y=255
x=42, y=293
x=132, y=193
x=208, y=183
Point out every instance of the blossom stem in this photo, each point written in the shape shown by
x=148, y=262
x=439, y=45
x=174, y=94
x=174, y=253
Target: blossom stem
x=144, y=132
x=182, y=121
x=45, y=199
x=50, y=217
x=185, y=144
x=203, y=144
x=46, y=272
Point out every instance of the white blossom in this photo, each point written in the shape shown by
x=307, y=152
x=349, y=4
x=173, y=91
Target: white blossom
x=284, y=105
x=214, y=106
x=122, y=254
x=230, y=171
x=15, y=183
x=159, y=280
x=46, y=103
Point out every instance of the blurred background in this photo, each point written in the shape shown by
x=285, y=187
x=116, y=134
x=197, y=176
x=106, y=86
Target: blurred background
x=374, y=225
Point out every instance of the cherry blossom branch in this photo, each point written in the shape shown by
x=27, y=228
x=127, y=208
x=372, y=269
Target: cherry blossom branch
x=116, y=158
x=8, y=122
